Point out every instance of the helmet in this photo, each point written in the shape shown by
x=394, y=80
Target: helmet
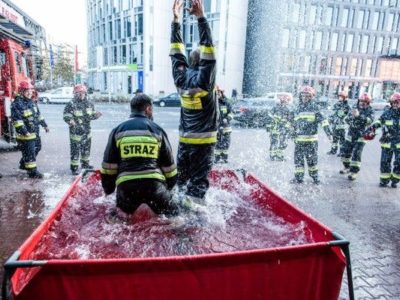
x=24, y=85
x=343, y=94
x=285, y=98
x=395, y=98
x=365, y=97
x=80, y=88
x=307, y=90
x=369, y=135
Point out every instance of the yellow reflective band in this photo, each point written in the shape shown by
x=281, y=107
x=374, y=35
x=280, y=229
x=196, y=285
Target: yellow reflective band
x=85, y=158
x=224, y=109
x=386, y=176
x=108, y=172
x=208, y=50
x=189, y=102
x=299, y=170
x=307, y=117
x=227, y=130
x=78, y=113
x=346, y=160
x=306, y=138
x=397, y=146
x=68, y=115
x=313, y=169
x=386, y=146
x=141, y=176
x=355, y=164
x=361, y=140
x=74, y=162
x=76, y=138
x=30, y=165
x=396, y=176
x=18, y=124
x=198, y=141
x=369, y=120
x=137, y=139
x=179, y=46
x=27, y=113
x=146, y=150
x=30, y=137
x=41, y=118
x=389, y=123
x=325, y=123
x=217, y=152
x=171, y=174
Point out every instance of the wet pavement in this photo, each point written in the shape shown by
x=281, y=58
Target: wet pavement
x=365, y=214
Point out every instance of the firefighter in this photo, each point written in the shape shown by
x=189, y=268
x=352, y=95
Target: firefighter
x=27, y=121
x=78, y=114
x=279, y=126
x=198, y=119
x=307, y=117
x=337, y=120
x=138, y=160
x=358, y=119
x=224, y=128
x=390, y=142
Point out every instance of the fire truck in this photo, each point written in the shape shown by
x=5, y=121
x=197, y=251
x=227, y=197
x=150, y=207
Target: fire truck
x=15, y=65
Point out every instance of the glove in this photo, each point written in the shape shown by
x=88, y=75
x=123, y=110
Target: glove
x=225, y=121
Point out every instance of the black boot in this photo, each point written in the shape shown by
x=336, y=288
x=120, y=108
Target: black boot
x=394, y=185
x=35, y=174
x=74, y=171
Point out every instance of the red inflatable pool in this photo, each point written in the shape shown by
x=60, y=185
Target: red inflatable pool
x=308, y=268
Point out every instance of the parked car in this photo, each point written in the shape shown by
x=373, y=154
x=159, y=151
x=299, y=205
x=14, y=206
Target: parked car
x=60, y=95
x=276, y=95
x=170, y=100
x=252, y=112
x=379, y=104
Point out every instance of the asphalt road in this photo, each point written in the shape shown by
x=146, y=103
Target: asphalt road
x=365, y=214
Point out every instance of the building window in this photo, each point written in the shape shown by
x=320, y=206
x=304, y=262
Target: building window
x=375, y=21
x=301, y=39
x=110, y=31
x=351, y=18
x=312, y=15
x=364, y=44
x=338, y=65
x=389, y=25
x=139, y=24
x=393, y=45
x=360, y=19
x=368, y=68
x=334, y=41
x=328, y=16
x=118, y=28
x=345, y=17
x=295, y=12
x=318, y=40
x=349, y=42
x=379, y=44
x=285, y=38
x=353, y=67
x=123, y=54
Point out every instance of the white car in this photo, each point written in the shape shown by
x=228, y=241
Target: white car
x=276, y=96
x=379, y=104
x=60, y=95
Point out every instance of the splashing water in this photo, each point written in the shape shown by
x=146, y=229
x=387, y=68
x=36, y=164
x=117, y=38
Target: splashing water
x=228, y=223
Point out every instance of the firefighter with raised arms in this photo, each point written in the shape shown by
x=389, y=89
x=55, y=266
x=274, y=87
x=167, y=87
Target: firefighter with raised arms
x=338, y=124
x=78, y=114
x=390, y=142
x=360, y=117
x=224, y=127
x=307, y=117
x=27, y=120
x=195, y=83
x=139, y=162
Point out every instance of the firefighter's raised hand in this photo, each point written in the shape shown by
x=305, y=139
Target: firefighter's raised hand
x=98, y=114
x=176, y=9
x=47, y=129
x=197, y=8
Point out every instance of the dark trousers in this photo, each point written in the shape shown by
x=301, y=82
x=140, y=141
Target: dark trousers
x=306, y=151
x=278, y=145
x=222, y=147
x=131, y=194
x=194, y=163
x=338, y=139
x=80, y=149
x=387, y=156
x=29, y=150
x=351, y=154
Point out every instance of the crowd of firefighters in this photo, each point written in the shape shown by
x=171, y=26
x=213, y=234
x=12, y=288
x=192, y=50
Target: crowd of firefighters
x=348, y=128
x=138, y=160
